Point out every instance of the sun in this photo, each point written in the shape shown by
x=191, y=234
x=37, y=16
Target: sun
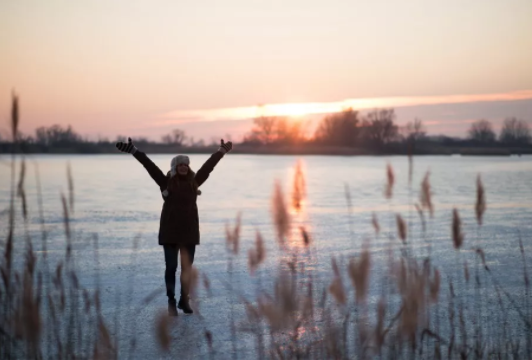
x=291, y=110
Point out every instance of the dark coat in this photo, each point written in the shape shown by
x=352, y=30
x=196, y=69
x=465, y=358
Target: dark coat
x=179, y=224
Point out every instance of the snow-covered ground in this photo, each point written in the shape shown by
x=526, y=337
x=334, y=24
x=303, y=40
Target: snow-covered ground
x=115, y=220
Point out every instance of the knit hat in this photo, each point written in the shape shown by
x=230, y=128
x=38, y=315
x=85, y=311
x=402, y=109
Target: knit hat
x=179, y=159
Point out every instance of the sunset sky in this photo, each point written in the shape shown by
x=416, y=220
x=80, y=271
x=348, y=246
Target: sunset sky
x=143, y=68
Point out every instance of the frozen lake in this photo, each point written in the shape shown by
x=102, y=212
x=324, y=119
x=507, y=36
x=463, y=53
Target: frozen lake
x=119, y=204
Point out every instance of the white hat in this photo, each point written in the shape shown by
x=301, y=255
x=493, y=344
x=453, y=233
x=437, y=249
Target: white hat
x=179, y=159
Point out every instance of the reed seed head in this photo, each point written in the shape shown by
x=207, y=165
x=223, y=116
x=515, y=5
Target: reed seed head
x=458, y=237
x=480, y=205
x=388, y=192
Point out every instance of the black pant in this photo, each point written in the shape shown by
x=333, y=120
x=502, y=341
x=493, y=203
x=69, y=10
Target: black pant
x=170, y=258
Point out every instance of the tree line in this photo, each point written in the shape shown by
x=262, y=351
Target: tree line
x=376, y=130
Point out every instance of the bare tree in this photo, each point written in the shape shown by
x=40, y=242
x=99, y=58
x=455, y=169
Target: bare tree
x=176, y=137
x=414, y=130
x=339, y=129
x=263, y=130
x=515, y=131
x=379, y=126
x=56, y=134
x=482, y=131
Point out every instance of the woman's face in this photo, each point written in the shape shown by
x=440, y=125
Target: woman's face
x=182, y=169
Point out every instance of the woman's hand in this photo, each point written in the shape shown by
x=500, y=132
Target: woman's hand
x=126, y=147
x=225, y=147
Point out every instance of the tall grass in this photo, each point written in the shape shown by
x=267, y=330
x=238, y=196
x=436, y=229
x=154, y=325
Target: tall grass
x=47, y=313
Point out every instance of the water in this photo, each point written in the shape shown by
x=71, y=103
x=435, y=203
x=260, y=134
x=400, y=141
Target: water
x=117, y=203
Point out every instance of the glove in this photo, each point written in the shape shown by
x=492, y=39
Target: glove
x=165, y=194
x=126, y=147
x=225, y=147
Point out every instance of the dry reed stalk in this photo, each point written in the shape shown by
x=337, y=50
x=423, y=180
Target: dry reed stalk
x=232, y=236
x=434, y=287
x=66, y=222
x=337, y=288
x=162, y=331
x=388, y=192
x=482, y=255
x=148, y=299
x=292, y=263
x=252, y=312
x=259, y=246
x=70, y=187
x=104, y=348
x=400, y=273
x=480, y=205
x=208, y=337
x=305, y=235
x=401, y=227
x=347, y=195
x=359, y=270
x=335, y=267
x=410, y=166
x=274, y=318
x=27, y=323
x=525, y=270
x=257, y=255
x=14, y=116
x=458, y=236
x=375, y=223
x=421, y=217
x=308, y=301
x=426, y=195
x=20, y=189
x=299, y=187
x=87, y=301
x=281, y=217
x=286, y=294
x=417, y=291
x=466, y=272
x=280, y=311
x=206, y=283
x=364, y=335
x=379, y=333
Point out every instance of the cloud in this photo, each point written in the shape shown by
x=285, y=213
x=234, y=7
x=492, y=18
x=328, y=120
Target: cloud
x=297, y=109
x=448, y=122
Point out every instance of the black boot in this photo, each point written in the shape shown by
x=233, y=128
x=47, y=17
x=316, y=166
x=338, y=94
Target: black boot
x=184, y=305
x=172, y=310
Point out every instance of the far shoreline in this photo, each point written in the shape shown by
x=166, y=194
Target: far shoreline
x=391, y=150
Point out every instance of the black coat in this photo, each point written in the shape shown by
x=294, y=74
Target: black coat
x=179, y=224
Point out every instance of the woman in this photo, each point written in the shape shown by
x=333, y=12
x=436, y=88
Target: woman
x=179, y=224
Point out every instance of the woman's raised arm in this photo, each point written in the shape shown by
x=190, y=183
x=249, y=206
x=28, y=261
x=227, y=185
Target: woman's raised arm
x=156, y=174
x=208, y=166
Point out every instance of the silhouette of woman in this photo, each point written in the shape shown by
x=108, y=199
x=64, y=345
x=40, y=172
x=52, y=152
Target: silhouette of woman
x=179, y=223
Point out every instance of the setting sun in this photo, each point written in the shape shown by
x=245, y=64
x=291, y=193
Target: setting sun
x=293, y=110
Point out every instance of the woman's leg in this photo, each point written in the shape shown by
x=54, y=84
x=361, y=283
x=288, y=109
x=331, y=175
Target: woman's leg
x=170, y=258
x=187, y=259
